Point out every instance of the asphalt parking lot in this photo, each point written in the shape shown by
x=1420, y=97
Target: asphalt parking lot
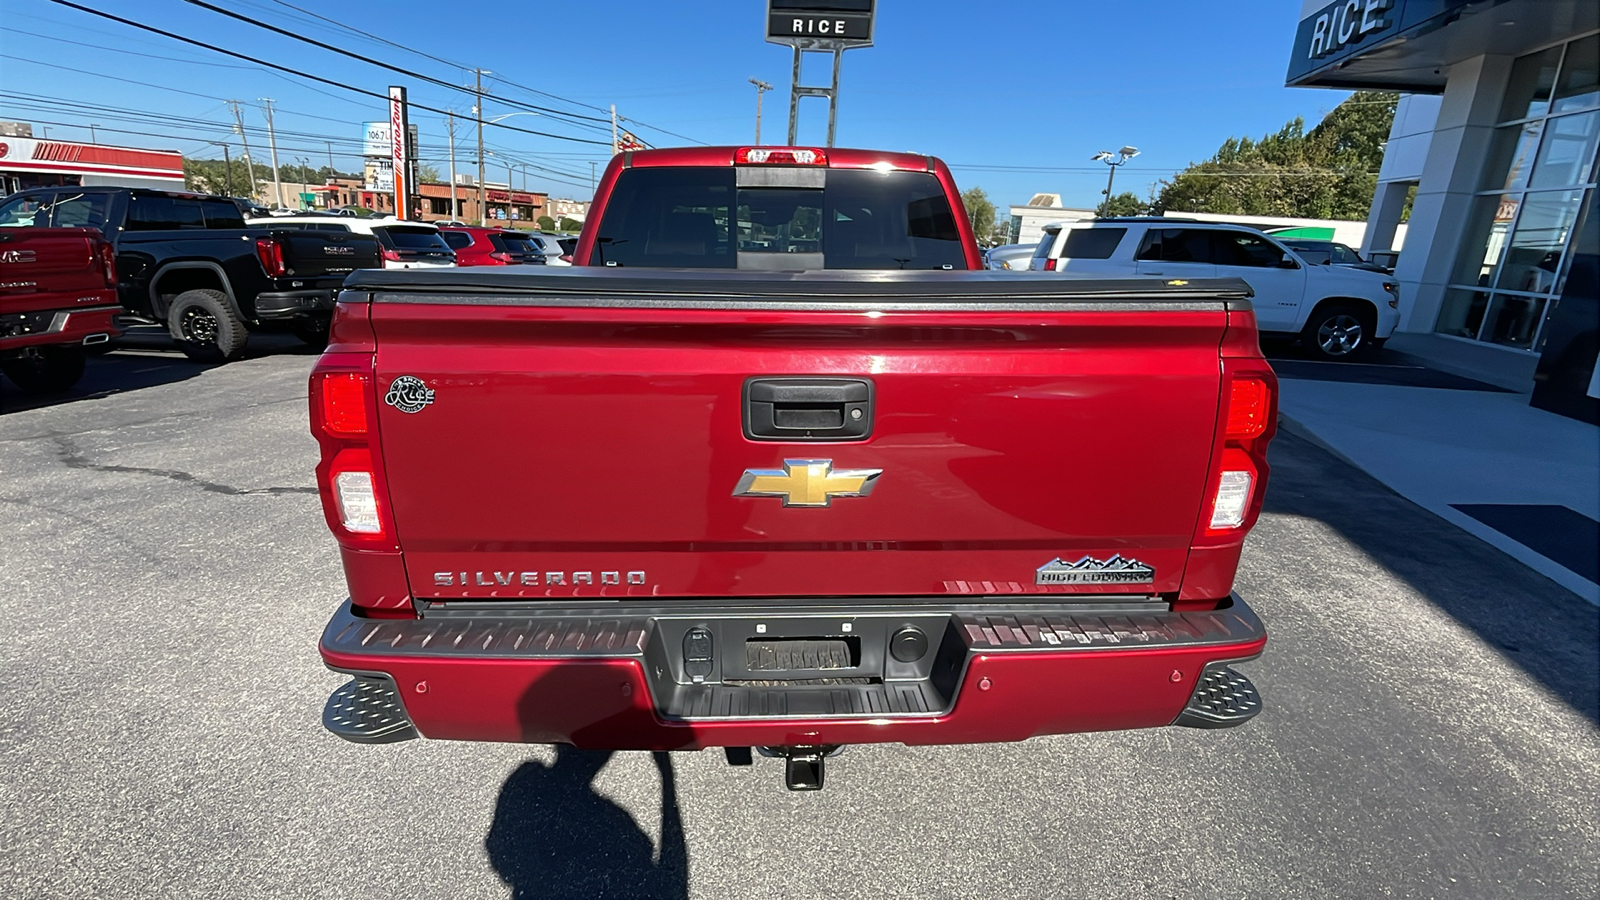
x=1430, y=728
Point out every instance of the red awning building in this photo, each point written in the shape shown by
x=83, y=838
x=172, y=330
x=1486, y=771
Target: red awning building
x=29, y=162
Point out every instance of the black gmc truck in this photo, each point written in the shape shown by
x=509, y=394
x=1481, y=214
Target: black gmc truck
x=189, y=262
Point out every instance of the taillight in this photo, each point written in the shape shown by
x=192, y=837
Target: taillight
x=566, y=257
x=1049, y=265
x=391, y=255
x=270, y=252
x=108, y=265
x=1248, y=404
x=1247, y=425
x=500, y=257
x=1235, y=488
x=780, y=156
x=354, y=492
x=343, y=402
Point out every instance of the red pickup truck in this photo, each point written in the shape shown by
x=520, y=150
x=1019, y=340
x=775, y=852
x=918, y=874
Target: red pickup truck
x=786, y=506
x=58, y=295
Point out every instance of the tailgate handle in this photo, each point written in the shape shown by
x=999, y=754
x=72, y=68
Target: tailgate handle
x=807, y=409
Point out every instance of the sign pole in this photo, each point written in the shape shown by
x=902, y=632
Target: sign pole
x=833, y=94
x=794, y=98
x=400, y=153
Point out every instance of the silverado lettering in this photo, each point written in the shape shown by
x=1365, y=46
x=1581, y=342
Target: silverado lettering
x=749, y=335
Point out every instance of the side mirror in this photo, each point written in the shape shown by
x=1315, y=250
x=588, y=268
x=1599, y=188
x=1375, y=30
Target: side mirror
x=1287, y=263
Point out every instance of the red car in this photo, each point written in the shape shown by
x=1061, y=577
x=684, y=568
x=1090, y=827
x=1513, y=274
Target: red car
x=476, y=246
x=58, y=295
x=841, y=491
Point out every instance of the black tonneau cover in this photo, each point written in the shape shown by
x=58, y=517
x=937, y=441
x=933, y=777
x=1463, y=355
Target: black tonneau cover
x=585, y=286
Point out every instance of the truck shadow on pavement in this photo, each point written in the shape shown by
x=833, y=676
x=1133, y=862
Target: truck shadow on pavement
x=140, y=361
x=1535, y=623
x=554, y=836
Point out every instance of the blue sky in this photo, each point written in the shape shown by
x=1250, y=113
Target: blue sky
x=1016, y=96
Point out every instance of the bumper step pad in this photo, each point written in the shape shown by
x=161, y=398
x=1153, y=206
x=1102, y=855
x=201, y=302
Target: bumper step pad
x=1222, y=699
x=367, y=710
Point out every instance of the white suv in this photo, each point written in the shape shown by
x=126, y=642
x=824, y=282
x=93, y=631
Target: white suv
x=405, y=245
x=1338, y=312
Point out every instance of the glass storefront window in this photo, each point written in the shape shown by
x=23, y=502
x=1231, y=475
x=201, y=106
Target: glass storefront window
x=1512, y=321
x=1579, y=85
x=1486, y=239
x=1567, y=151
x=1532, y=77
x=1462, y=312
x=1533, y=255
x=1539, y=173
x=1511, y=156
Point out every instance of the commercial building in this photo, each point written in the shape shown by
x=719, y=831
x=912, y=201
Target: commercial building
x=27, y=162
x=1028, y=220
x=518, y=209
x=1493, y=151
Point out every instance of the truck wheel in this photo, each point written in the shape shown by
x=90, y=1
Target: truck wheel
x=312, y=332
x=45, y=370
x=206, y=327
x=1339, y=332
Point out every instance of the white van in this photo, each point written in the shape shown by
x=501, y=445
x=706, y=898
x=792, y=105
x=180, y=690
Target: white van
x=1338, y=312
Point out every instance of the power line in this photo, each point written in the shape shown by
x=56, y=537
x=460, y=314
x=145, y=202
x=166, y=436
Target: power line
x=376, y=62
x=317, y=78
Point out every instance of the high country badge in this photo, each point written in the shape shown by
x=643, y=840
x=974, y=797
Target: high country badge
x=1116, y=570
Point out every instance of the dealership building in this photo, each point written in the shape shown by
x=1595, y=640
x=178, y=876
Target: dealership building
x=1493, y=147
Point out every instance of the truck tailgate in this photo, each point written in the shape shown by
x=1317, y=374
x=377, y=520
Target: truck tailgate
x=49, y=268
x=586, y=437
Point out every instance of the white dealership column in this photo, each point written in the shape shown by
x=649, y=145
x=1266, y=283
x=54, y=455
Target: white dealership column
x=1454, y=167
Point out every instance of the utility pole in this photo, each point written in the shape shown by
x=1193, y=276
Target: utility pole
x=483, y=207
x=591, y=179
x=249, y=167
x=305, y=162
x=450, y=123
x=613, y=129
x=761, y=88
x=92, y=138
x=332, y=172
x=272, y=142
x=227, y=168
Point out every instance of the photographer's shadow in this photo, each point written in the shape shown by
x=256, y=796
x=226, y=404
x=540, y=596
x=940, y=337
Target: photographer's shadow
x=554, y=836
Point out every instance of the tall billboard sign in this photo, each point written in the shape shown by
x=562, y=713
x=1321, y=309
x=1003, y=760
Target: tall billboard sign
x=821, y=24
x=828, y=26
x=400, y=151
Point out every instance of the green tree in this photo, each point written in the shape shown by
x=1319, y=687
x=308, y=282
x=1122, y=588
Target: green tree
x=1126, y=203
x=428, y=174
x=1329, y=172
x=546, y=223
x=567, y=224
x=980, y=211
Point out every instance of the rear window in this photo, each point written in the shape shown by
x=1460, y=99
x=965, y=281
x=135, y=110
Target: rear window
x=700, y=218
x=1092, y=243
x=154, y=212
x=513, y=243
x=404, y=237
x=157, y=212
x=1046, y=244
x=458, y=240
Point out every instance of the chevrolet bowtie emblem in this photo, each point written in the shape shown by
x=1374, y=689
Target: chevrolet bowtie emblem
x=807, y=482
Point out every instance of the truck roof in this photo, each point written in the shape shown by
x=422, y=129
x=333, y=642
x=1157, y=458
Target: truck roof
x=837, y=157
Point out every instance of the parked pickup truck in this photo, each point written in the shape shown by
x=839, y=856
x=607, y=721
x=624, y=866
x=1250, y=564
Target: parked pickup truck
x=630, y=507
x=188, y=262
x=58, y=295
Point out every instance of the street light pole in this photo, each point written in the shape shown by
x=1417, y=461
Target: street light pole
x=227, y=168
x=761, y=88
x=1112, y=161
